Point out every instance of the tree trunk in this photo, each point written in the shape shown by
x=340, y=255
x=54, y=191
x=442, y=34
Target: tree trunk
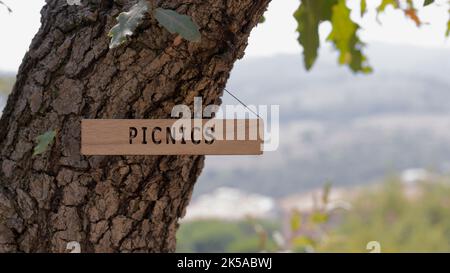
x=108, y=203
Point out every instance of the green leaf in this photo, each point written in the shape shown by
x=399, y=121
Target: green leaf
x=308, y=29
x=178, y=23
x=385, y=3
x=43, y=142
x=262, y=19
x=345, y=39
x=127, y=23
x=311, y=13
x=363, y=7
x=428, y=2
x=308, y=16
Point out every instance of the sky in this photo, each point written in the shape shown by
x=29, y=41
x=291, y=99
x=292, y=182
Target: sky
x=276, y=36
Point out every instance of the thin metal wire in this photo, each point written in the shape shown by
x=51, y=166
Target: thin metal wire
x=241, y=102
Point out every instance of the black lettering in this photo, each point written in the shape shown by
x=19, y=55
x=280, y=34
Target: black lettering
x=144, y=135
x=154, y=135
x=133, y=134
x=183, y=138
x=169, y=136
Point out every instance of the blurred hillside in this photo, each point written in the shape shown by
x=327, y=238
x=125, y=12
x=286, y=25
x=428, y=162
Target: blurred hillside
x=340, y=127
x=402, y=218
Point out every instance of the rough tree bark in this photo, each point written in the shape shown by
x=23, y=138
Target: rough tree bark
x=108, y=203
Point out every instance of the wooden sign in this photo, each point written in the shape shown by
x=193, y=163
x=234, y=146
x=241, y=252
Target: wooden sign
x=171, y=137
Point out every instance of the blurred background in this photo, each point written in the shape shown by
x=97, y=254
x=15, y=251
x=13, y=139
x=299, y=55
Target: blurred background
x=362, y=158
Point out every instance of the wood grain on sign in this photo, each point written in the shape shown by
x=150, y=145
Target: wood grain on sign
x=162, y=137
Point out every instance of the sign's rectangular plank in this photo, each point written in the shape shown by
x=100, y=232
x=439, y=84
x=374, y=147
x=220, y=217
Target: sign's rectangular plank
x=161, y=137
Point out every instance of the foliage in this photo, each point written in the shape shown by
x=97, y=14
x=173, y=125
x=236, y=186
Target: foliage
x=419, y=222
x=363, y=7
x=345, y=39
x=344, y=34
x=43, y=142
x=307, y=231
x=127, y=23
x=169, y=19
x=309, y=16
x=178, y=23
x=222, y=236
x=401, y=217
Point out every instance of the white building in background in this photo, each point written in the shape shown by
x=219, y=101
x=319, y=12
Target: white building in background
x=411, y=179
x=231, y=204
x=412, y=176
x=306, y=202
